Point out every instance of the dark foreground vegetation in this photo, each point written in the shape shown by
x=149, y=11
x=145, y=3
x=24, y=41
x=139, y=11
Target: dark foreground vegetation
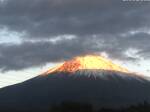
x=80, y=107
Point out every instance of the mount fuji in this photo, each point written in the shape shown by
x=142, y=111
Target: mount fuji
x=89, y=79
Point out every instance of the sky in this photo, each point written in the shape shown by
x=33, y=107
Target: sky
x=37, y=34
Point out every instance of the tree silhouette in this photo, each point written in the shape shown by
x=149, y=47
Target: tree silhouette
x=72, y=107
x=85, y=107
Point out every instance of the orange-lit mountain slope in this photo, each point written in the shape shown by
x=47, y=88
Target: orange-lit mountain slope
x=87, y=62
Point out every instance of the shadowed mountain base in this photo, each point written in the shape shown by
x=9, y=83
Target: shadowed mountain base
x=97, y=87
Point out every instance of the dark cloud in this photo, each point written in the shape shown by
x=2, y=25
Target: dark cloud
x=29, y=54
x=46, y=18
x=98, y=25
x=32, y=54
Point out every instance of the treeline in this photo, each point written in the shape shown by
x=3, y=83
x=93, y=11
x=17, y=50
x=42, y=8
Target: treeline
x=82, y=107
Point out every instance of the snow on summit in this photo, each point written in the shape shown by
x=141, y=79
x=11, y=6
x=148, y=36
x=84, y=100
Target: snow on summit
x=87, y=62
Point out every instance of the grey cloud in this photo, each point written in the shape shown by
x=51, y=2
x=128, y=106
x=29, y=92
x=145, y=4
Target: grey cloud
x=139, y=41
x=30, y=54
x=47, y=18
x=97, y=26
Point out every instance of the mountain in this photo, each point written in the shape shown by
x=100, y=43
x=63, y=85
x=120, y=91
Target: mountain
x=89, y=79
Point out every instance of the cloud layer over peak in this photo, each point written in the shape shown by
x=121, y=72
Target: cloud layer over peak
x=107, y=26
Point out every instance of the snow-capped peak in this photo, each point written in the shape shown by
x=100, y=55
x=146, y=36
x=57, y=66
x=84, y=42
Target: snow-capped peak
x=90, y=62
